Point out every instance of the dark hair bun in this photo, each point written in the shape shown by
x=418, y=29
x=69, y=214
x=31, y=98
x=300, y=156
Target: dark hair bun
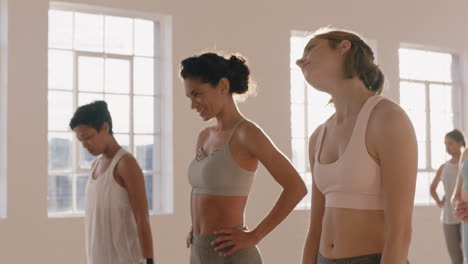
x=239, y=75
x=211, y=67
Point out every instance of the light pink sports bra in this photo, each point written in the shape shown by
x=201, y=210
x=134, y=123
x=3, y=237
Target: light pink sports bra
x=353, y=181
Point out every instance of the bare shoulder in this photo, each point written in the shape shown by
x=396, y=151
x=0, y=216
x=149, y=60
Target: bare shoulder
x=249, y=134
x=315, y=134
x=127, y=162
x=441, y=168
x=313, y=141
x=388, y=117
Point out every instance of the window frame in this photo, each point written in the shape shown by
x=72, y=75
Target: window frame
x=162, y=183
x=457, y=109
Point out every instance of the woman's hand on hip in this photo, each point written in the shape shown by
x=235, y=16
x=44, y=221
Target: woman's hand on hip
x=237, y=239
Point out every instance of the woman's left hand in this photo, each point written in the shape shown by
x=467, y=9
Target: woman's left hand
x=237, y=239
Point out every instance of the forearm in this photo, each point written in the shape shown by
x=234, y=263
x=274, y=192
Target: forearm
x=311, y=249
x=146, y=241
x=435, y=196
x=396, y=247
x=288, y=199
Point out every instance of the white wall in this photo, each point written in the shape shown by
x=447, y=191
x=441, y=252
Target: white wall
x=258, y=29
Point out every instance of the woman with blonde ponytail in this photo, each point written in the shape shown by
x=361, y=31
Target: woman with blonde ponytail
x=363, y=159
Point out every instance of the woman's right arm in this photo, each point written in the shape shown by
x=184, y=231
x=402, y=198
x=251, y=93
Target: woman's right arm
x=434, y=185
x=312, y=243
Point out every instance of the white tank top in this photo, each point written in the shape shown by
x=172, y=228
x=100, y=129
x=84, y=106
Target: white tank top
x=111, y=230
x=449, y=180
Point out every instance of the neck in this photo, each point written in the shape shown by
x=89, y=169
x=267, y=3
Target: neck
x=456, y=157
x=348, y=97
x=112, y=148
x=228, y=117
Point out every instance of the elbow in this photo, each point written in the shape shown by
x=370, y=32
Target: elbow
x=300, y=191
x=295, y=190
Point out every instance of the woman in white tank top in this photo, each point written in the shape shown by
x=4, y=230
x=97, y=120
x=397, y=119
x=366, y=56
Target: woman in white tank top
x=117, y=225
x=447, y=174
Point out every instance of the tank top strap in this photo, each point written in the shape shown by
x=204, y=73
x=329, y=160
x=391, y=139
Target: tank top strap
x=120, y=153
x=233, y=130
x=360, y=127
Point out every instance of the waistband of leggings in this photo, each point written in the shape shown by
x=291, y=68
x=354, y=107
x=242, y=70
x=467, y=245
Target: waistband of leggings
x=351, y=260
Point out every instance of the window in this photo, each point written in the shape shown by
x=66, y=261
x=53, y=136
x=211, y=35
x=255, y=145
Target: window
x=309, y=109
x=431, y=98
x=117, y=58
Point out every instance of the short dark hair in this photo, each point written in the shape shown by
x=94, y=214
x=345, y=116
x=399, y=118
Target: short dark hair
x=211, y=67
x=94, y=115
x=456, y=135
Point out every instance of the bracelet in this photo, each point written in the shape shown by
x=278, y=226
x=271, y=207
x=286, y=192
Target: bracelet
x=149, y=261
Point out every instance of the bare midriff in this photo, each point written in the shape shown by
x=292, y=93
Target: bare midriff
x=351, y=232
x=213, y=212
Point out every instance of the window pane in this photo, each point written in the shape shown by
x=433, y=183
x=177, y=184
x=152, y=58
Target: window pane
x=86, y=159
x=60, y=151
x=81, y=181
x=419, y=122
x=298, y=44
x=439, y=155
x=117, y=76
x=442, y=98
x=90, y=74
x=305, y=202
x=144, y=37
x=441, y=124
x=119, y=108
x=318, y=107
x=422, y=155
x=425, y=65
x=149, y=189
x=413, y=100
x=299, y=155
x=60, y=110
x=297, y=120
x=89, y=32
x=422, y=194
x=297, y=87
x=144, y=146
x=413, y=96
x=119, y=35
x=60, y=29
x=60, y=70
x=86, y=98
x=144, y=114
x=143, y=75
x=123, y=140
x=60, y=193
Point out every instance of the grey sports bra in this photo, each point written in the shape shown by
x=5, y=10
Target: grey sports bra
x=218, y=173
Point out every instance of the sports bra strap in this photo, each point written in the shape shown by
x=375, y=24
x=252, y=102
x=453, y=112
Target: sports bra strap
x=234, y=129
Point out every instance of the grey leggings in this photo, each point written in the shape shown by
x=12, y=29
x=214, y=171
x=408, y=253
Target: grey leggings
x=202, y=252
x=453, y=239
